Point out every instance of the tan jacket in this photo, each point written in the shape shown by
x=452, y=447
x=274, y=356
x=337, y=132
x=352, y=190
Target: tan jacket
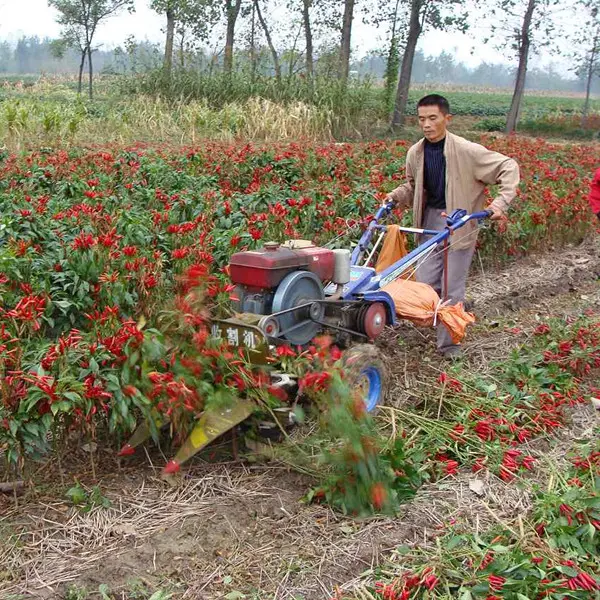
x=469, y=168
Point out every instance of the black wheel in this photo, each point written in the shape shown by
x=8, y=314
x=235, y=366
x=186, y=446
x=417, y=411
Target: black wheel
x=364, y=368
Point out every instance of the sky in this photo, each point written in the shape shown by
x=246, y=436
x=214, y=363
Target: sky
x=35, y=17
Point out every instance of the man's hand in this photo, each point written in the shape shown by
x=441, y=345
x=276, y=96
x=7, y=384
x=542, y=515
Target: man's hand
x=497, y=214
x=387, y=200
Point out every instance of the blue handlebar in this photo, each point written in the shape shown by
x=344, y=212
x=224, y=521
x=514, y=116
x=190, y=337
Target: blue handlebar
x=482, y=214
x=384, y=210
x=454, y=221
x=460, y=216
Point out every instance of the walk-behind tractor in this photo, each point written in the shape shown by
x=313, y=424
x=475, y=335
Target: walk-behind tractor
x=286, y=294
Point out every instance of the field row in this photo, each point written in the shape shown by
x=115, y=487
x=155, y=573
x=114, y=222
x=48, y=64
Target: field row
x=92, y=241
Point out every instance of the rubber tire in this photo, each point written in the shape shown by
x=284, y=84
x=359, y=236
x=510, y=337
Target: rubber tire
x=356, y=359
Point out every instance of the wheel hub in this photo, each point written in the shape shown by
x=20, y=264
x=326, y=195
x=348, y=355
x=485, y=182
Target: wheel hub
x=297, y=289
x=372, y=320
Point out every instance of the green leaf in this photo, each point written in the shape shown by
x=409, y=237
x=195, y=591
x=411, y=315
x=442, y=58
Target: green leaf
x=235, y=595
x=591, y=531
x=568, y=571
x=451, y=573
x=76, y=494
x=480, y=588
x=522, y=596
x=62, y=406
x=63, y=304
x=299, y=414
x=454, y=542
x=160, y=595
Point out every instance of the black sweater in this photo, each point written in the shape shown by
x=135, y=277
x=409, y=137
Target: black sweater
x=435, y=174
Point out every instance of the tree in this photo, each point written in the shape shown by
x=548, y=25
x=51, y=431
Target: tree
x=524, y=26
x=5, y=57
x=317, y=20
x=272, y=49
x=79, y=20
x=438, y=14
x=386, y=14
x=393, y=58
x=186, y=18
x=306, y=4
x=23, y=55
x=523, y=43
x=232, y=10
x=587, y=57
x=346, y=38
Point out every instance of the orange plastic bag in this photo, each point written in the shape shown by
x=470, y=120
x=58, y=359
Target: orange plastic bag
x=393, y=249
x=420, y=304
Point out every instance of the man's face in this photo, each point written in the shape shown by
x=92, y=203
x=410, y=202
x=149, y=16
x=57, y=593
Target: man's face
x=433, y=122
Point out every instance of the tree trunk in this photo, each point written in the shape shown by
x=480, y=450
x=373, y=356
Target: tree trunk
x=392, y=64
x=309, y=40
x=292, y=61
x=81, y=65
x=168, y=60
x=91, y=73
x=182, y=51
x=345, y=44
x=253, y=56
x=590, y=74
x=274, y=54
x=524, y=45
x=415, y=28
x=232, y=15
x=214, y=59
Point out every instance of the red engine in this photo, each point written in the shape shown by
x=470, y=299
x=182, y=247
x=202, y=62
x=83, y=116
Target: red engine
x=265, y=268
x=279, y=276
x=286, y=285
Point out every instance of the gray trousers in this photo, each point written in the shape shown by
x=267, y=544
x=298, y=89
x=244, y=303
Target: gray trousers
x=431, y=271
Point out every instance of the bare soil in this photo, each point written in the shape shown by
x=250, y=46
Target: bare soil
x=242, y=526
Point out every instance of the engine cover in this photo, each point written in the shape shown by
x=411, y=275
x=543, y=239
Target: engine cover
x=265, y=268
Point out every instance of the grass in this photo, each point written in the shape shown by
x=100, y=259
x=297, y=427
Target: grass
x=497, y=104
x=30, y=122
x=48, y=111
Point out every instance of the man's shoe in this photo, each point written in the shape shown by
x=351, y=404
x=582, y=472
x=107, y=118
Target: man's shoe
x=453, y=353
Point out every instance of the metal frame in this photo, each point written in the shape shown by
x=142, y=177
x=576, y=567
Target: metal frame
x=365, y=284
x=361, y=283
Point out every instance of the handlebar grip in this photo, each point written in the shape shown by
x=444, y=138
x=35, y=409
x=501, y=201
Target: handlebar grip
x=384, y=210
x=484, y=214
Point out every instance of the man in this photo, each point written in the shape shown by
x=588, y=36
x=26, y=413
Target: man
x=594, y=197
x=445, y=172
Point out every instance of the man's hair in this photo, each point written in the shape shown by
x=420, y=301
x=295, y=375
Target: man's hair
x=435, y=100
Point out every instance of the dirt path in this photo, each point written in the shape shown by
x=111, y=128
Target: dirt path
x=242, y=527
